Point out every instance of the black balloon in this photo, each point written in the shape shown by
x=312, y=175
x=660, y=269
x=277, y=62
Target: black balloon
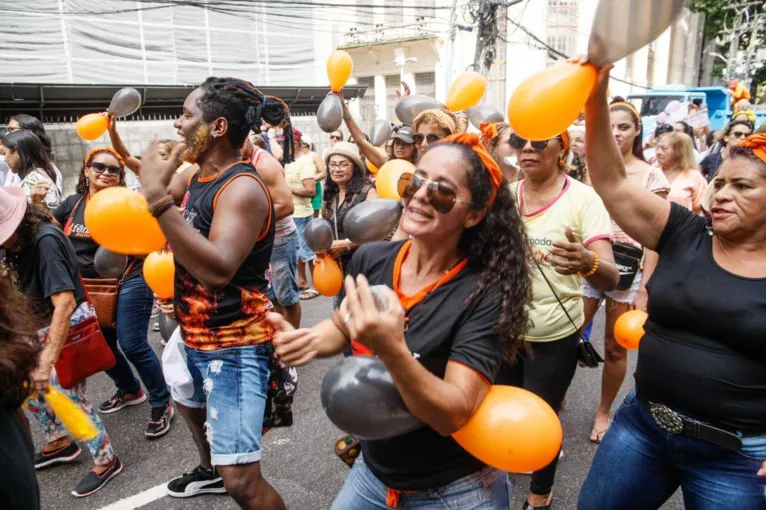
x=381, y=132
x=478, y=115
x=109, y=264
x=319, y=235
x=410, y=107
x=167, y=326
x=372, y=220
x=330, y=114
x=125, y=102
x=360, y=397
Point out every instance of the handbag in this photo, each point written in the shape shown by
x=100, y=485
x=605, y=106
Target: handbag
x=628, y=260
x=103, y=293
x=587, y=355
x=85, y=351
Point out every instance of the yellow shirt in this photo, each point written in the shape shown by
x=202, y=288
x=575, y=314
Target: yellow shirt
x=578, y=207
x=296, y=172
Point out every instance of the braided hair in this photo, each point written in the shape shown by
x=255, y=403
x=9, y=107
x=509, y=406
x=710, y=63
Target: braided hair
x=245, y=107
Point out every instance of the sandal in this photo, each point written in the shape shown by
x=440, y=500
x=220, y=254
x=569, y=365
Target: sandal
x=599, y=434
x=348, y=448
x=309, y=294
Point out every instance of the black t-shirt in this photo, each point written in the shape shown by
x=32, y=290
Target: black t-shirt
x=46, y=268
x=441, y=328
x=73, y=208
x=18, y=489
x=704, y=352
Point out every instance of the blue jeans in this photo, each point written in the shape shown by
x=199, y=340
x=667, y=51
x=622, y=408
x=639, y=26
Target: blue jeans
x=231, y=385
x=304, y=252
x=639, y=466
x=284, y=270
x=134, y=308
x=488, y=489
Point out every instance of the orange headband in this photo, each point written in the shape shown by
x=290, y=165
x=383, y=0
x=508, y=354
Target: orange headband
x=472, y=141
x=629, y=107
x=488, y=132
x=757, y=144
x=98, y=150
x=564, y=140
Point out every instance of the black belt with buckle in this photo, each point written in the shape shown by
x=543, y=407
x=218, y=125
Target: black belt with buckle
x=670, y=421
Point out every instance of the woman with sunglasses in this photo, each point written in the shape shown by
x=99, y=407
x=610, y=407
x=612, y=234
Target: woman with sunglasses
x=626, y=129
x=735, y=131
x=569, y=232
x=697, y=417
x=431, y=126
x=496, y=137
x=457, y=308
x=675, y=156
x=33, y=124
x=28, y=160
x=103, y=168
x=345, y=187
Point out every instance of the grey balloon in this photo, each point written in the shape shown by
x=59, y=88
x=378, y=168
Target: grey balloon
x=167, y=326
x=381, y=132
x=372, y=220
x=330, y=114
x=478, y=115
x=125, y=102
x=621, y=27
x=360, y=397
x=319, y=235
x=109, y=264
x=410, y=107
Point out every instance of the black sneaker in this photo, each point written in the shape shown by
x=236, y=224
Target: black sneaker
x=159, y=425
x=199, y=481
x=121, y=400
x=60, y=456
x=93, y=482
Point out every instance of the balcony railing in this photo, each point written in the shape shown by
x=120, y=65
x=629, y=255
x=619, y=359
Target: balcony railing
x=385, y=34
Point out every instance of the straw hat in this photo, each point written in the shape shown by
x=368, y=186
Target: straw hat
x=348, y=149
x=13, y=205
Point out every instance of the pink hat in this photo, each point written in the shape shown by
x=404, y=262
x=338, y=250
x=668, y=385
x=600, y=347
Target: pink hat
x=13, y=205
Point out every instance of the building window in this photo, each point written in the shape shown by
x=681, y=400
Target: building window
x=425, y=84
x=367, y=103
x=394, y=13
x=393, y=83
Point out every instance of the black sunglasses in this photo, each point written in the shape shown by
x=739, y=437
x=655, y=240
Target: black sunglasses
x=441, y=198
x=518, y=143
x=335, y=137
x=432, y=138
x=100, y=168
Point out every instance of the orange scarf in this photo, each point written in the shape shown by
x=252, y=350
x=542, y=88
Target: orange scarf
x=472, y=141
x=756, y=143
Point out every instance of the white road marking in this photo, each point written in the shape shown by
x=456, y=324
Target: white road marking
x=140, y=499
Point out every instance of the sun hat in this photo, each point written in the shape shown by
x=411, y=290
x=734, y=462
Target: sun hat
x=348, y=149
x=13, y=205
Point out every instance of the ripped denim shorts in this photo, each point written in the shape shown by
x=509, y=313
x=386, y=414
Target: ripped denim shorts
x=231, y=384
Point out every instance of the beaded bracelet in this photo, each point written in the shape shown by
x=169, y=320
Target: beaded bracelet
x=593, y=268
x=161, y=205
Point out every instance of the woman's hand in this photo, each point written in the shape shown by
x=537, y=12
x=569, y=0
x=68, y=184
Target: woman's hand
x=39, y=191
x=571, y=257
x=296, y=347
x=380, y=330
x=156, y=172
x=40, y=378
x=166, y=307
x=339, y=247
x=641, y=300
x=602, y=81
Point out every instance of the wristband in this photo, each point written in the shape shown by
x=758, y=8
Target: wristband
x=160, y=206
x=593, y=268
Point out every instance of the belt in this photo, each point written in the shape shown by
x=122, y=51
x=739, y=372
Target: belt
x=674, y=423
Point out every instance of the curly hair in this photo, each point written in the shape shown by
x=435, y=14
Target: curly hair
x=82, y=184
x=444, y=119
x=245, y=107
x=498, y=248
x=18, y=344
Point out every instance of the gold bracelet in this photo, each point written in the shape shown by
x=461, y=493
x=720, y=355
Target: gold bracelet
x=593, y=268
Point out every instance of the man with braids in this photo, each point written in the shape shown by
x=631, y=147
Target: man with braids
x=457, y=294
x=222, y=245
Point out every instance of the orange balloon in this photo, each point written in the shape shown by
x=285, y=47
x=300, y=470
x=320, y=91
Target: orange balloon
x=629, y=328
x=546, y=103
x=159, y=273
x=328, y=278
x=372, y=168
x=466, y=91
x=339, y=69
x=388, y=177
x=513, y=430
x=91, y=126
x=118, y=219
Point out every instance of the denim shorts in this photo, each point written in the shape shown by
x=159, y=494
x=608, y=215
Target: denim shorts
x=304, y=252
x=619, y=296
x=488, y=489
x=231, y=385
x=284, y=270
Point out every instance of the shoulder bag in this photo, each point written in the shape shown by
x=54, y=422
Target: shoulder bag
x=628, y=260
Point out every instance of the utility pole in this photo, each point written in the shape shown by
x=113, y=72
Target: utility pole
x=484, y=14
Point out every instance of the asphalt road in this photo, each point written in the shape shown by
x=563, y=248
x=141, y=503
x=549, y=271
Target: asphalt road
x=299, y=462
